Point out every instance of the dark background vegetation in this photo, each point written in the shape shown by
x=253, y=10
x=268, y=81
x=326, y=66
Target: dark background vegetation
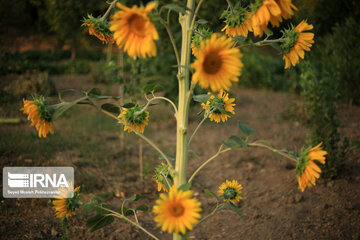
x=42, y=43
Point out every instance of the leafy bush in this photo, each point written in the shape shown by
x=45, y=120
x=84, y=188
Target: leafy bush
x=32, y=82
x=339, y=53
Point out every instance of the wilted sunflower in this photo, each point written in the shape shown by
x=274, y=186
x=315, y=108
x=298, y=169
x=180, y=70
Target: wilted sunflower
x=133, y=30
x=218, y=64
x=215, y=102
x=177, y=211
x=297, y=42
x=137, y=121
x=40, y=114
x=262, y=12
x=230, y=191
x=307, y=170
x=64, y=205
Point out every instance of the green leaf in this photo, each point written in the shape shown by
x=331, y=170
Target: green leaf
x=109, y=107
x=191, y=152
x=135, y=197
x=234, y=208
x=211, y=194
x=201, y=98
x=171, y=159
x=246, y=129
x=240, y=39
x=128, y=105
x=185, y=186
x=127, y=211
x=276, y=46
x=355, y=144
x=202, y=21
x=98, y=221
x=142, y=208
x=88, y=207
x=94, y=92
x=174, y=7
x=235, y=142
x=268, y=33
x=152, y=88
x=59, y=111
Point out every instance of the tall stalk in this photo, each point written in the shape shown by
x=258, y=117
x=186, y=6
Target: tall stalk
x=183, y=105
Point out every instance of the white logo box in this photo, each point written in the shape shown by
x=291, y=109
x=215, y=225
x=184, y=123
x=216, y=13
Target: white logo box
x=37, y=182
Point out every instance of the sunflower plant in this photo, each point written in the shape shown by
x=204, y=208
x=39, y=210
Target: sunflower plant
x=215, y=67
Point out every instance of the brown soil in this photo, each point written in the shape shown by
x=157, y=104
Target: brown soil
x=273, y=206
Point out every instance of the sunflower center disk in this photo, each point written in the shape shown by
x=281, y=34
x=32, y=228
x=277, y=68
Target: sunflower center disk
x=177, y=210
x=137, y=25
x=212, y=63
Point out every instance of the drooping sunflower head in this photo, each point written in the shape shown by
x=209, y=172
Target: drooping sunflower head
x=133, y=30
x=162, y=177
x=230, y=191
x=237, y=20
x=218, y=64
x=40, y=113
x=297, y=41
x=220, y=107
x=306, y=168
x=200, y=35
x=177, y=211
x=99, y=28
x=262, y=12
x=64, y=205
x=134, y=117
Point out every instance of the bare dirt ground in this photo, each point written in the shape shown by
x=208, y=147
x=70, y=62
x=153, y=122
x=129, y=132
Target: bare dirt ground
x=273, y=206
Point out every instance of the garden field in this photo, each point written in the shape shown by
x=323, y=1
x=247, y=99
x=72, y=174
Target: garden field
x=272, y=205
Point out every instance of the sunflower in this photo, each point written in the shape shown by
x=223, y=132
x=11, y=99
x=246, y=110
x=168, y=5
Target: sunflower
x=65, y=206
x=136, y=121
x=287, y=11
x=133, y=30
x=40, y=114
x=307, y=170
x=224, y=102
x=177, y=211
x=262, y=12
x=218, y=64
x=230, y=191
x=297, y=42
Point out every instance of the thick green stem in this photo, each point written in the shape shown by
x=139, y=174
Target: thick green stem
x=183, y=105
